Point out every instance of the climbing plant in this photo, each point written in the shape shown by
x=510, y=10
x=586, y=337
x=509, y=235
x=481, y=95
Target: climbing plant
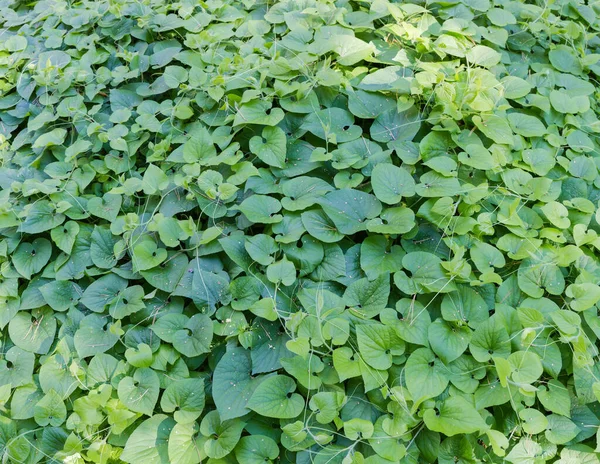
x=303, y=231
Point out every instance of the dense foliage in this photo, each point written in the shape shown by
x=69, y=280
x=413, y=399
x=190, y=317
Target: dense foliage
x=299, y=231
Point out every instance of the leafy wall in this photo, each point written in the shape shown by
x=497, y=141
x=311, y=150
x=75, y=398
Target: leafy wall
x=299, y=231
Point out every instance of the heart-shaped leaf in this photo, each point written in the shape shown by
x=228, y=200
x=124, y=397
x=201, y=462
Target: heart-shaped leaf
x=30, y=258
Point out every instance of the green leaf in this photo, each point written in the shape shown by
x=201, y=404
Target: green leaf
x=555, y=397
x=128, y=301
x=102, y=292
x=302, y=192
x=186, y=444
x=526, y=367
x=495, y=128
x=282, y=271
x=332, y=124
x=392, y=125
x=261, y=209
x=585, y=295
x=222, y=436
x=258, y=112
x=147, y=255
x=426, y=376
x=107, y=207
x=526, y=125
x=514, y=87
x=61, y=295
x=50, y=410
x=369, y=105
x=16, y=368
x=92, y=337
x=102, y=248
x=274, y=397
x=205, y=285
x=427, y=274
x=233, y=384
x=140, y=392
x=378, y=257
x=149, y=441
x=50, y=139
x=464, y=305
x=489, y=340
x=33, y=331
x=563, y=102
x=40, y=217
x=524, y=452
x=454, y=415
x=260, y=248
x=435, y=185
x=154, y=180
x=560, y=430
x=268, y=344
x=378, y=345
x=30, y=258
x=318, y=224
x=270, y=147
x=535, y=275
x=256, y=449
x=391, y=183
x=350, y=209
x=195, y=337
x=448, y=340
x=174, y=76
x=564, y=60
x=393, y=221
x=200, y=148
x=64, y=236
x=483, y=56
x=534, y=422
x=167, y=274
x=368, y=298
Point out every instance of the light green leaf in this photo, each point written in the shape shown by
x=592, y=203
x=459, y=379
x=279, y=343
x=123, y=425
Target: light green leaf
x=147, y=255
x=274, y=397
x=261, y=209
x=64, y=236
x=483, y=56
x=560, y=430
x=50, y=139
x=526, y=367
x=148, y=443
x=270, y=147
x=222, y=436
x=258, y=112
x=282, y=271
x=107, y=207
x=426, y=376
x=140, y=392
x=555, y=397
x=378, y=345
x=50, y=410
x=186, y=444
x=195, y=337
x=455, y=415
x=30, y=258
x=526, y=125
x=33, y=331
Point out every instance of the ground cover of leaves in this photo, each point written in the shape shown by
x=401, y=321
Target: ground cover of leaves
x=301, y=231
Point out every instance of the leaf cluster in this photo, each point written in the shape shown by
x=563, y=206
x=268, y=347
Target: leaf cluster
x=316, y=231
